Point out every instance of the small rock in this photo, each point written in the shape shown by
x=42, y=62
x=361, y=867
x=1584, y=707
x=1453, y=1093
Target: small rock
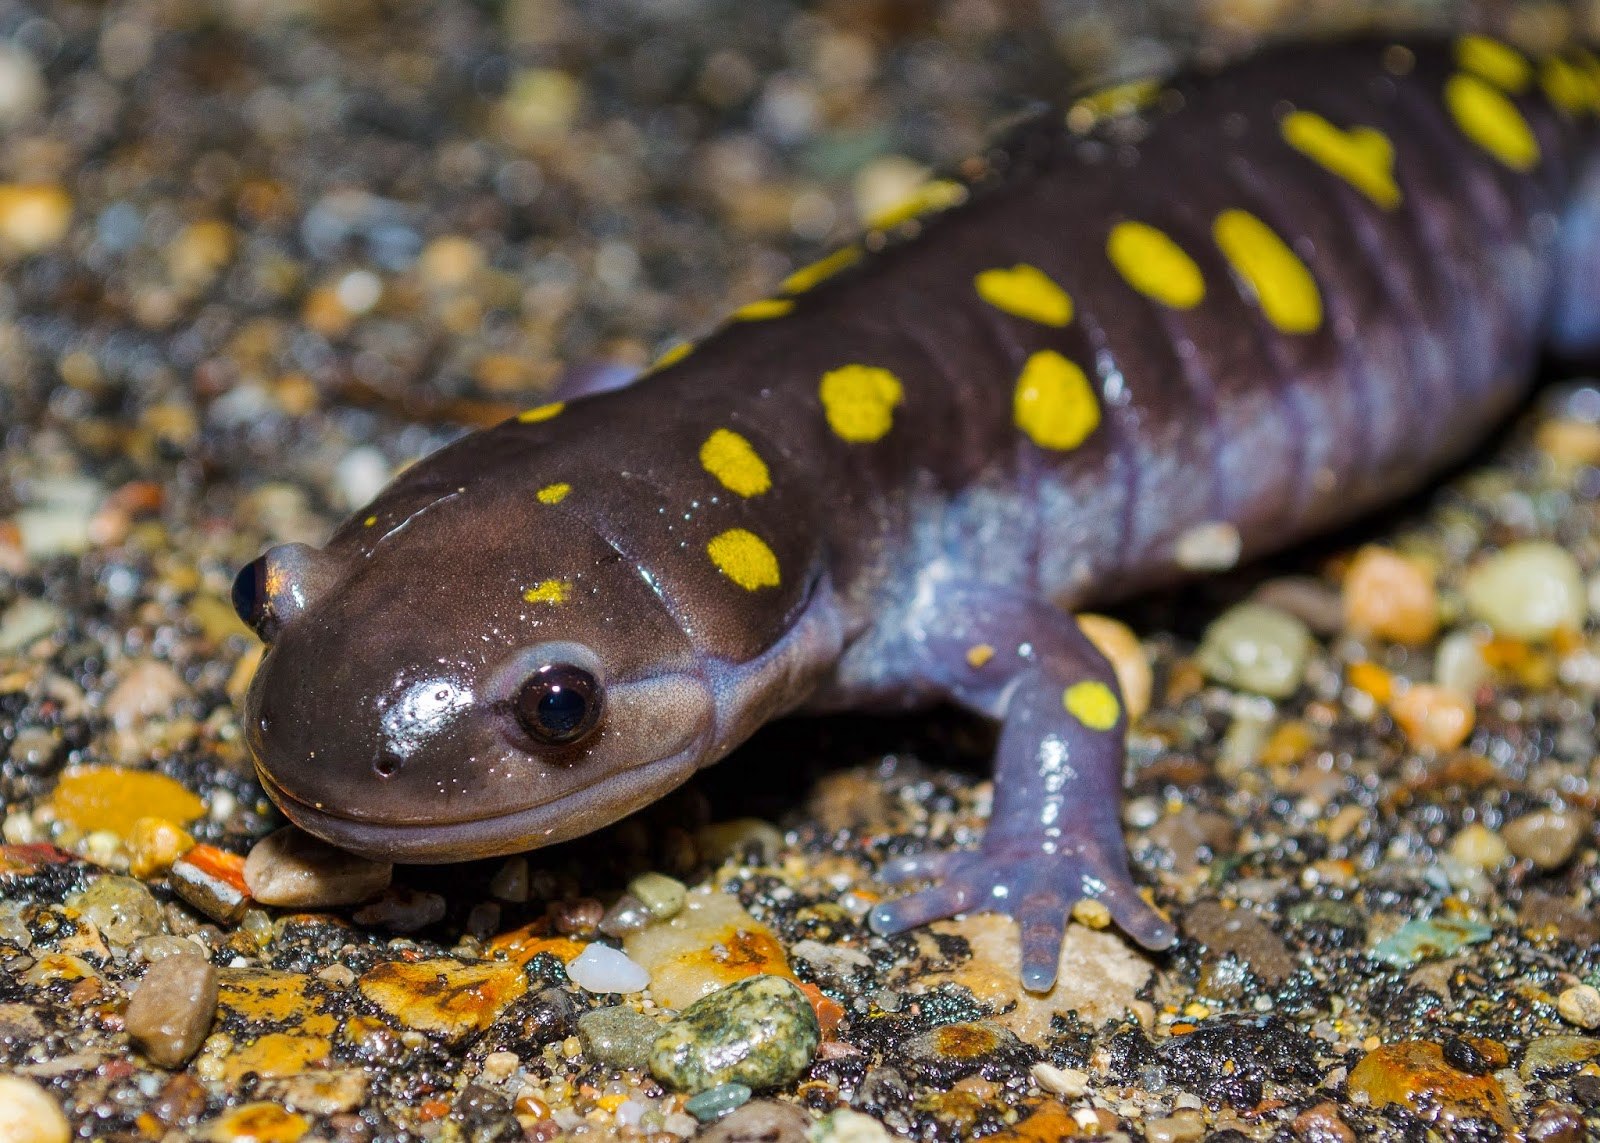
x=1433, y=717
x=1242, y=934
x=258, y=1122
x=27, y=621
x=1478, y=846
x=761, y=1121
x=1307, y=598
x=1180, y=1128
x=445, y=997
x=1557, y=1055
x=1256, y=648
x=1069, y=1083
x=1459, y=664
x=1417, y=941
x=710, y=944
x=1580, y=1005
x=402, y=910
x=847, y=1126
x=950, y=1052
x=1414, y=1075
x=292, y=869
x=715, y=1102
x=1554, y=1122
x=1546, y=837
x=1117, y=642
x=29, y=1115
x=146, y=690
x=720, y=841
x=121, y=908
x=618, y=1036
x=1391, y=597
x=212, y=880
x=1321, y=1124
x=171, y=1011
x=155, y=844
x=1528, y=590
x=761, y=1031
x=664, y=896
x=329, y=1092
x=113, y=798
x=600, y=968
x=33, y=217
x=1474, y=1055
x=22, y=86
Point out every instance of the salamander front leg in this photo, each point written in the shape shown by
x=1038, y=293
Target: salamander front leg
x=1055, y=837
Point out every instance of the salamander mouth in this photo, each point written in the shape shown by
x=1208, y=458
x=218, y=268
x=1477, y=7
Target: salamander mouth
x=532, y=827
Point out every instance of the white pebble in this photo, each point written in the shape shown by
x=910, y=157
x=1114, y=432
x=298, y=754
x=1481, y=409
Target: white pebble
x=1069, y=1083
x=1528, y=590
x=1459, y=665
x=22, y=87
x=1210, y=547
x=600, y=968
x=360, y=475
x=29, y=1115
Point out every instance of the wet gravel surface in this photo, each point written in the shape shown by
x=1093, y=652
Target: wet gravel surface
x=255, y=256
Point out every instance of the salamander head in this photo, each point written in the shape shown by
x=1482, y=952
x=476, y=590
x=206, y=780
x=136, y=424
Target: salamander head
x=446, y=682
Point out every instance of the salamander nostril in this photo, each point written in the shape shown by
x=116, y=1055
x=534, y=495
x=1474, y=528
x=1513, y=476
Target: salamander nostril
x=386, y=765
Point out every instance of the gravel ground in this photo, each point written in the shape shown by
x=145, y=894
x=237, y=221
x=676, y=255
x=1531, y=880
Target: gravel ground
x=256, y=255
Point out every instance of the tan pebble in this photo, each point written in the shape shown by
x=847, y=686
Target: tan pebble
x=1069, y=1083
x=1432, y=717
x=450, y=262
x=292, y=869
x=1181, y=1128
x=1459, y=664
x=1117, y=642
x=145, y=690
x=199, y=253
x=499, y=1066
x=1580, y=1005
x=154, y=845
x=1390, y=596
x=1321, y=1124
x=1480, y=847
x=1569, y=442
x=33, y=217
x=1529, y=590
x=1546, y=837
x=171, y=1011
x=29, y=1115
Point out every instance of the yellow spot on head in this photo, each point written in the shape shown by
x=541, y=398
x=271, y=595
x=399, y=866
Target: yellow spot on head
x=936, y=194
x=1092, y=703
x=548, y=591
x=1027, y=292
x=1491, y=121
x=1054, y=403
x=541, y=412
x=1155, y=265
x=1569, y=86
x=553, y=493
x=979, y=655
x=744, y=558
x=369, y=521
x=735, y=462
x=1361, y=156
x=673, y=355
x=1499, y=63
x=764, y=309
x=859, y=401
x=1283, y=287
x=807, y=276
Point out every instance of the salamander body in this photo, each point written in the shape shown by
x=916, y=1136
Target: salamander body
x=1134, y=342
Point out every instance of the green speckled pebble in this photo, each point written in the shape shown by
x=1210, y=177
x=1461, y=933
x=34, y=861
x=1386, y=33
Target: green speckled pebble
x=761, y=1032
x=618, y=1036
x=715, y=1102
x=1256, y=648
x=664, y=896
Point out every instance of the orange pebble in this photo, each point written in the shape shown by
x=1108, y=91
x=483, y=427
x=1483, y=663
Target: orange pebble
x=1432, y=717
x=1390, y=596
x=1373, y=679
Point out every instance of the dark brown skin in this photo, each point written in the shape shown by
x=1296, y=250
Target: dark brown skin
x=1141, y=346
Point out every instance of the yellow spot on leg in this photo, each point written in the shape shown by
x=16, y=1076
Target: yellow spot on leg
x=1491, y=121
x=1568, y=86
x=859, y=401
x=1092, y=703
x=553, y=493
x=1283, y=287
x=1499, y=63
x=541, y=412
x=1361, y=156
x=1027, y=292
x=763, y=310
x=807, y=276
x=1054, y=403
x=674, y=355
x=744, y=558
x=979, y=655
x=548, y=591
x=734, y=461
x=1155, y=265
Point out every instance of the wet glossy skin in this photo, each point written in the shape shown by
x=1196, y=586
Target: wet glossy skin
x=1134, y=346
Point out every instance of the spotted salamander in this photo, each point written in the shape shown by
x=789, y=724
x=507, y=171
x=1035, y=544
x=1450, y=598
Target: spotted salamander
x=1170, y=327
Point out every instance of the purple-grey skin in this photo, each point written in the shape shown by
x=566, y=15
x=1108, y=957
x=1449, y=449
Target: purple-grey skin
x=891, y=487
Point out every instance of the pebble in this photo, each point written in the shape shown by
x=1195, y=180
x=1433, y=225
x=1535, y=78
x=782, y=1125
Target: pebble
x=1391, y=597
x=847, y=1126
x=443, y=996
x=618, y=1036
x=1557, y=1055
x=1117, y=642
x=401, y=909
x=1321, y=1123
x=1181, y=1128
x=1414, y=1075
x=711, y=943
x=171, y=1011
x=145, y=690
x=29, y=1115
x=715, y=1102
x=212, y=880
x=113, y=798
x=292, y=869
x=1417, y=941
x=154, y=844
x=259, y=1122
x=760, y=1121
x=1478, y=846
x=27, y=621
x=1242, y=934
x=1308, y=599
x=739, y=837
x=33, y=217
x=1546, y=837
x=664, y=896
x=121, y=908
x=1256, y=648
x=1528, y=590
x=761, y=1032
x=601, y=968
x=22, y=86
x=966, y=1047
x=1069, y=1083
x=1459, y=664
x=1433, y=717
x=1580, y=1005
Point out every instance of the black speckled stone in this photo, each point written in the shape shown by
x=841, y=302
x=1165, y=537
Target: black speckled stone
x=761, y=1032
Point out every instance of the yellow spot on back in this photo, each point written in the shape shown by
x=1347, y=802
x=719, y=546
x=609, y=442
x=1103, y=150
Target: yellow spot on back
x=859, y=401
x=1155, y=265
x=1026, y=291
x=734, y=461
x=369, y=521
x=1092, y=703
x=673, y=355
x=1111, y=102
x=807, y=276
x=1361, y=156
x=979, y=655
x=1054, y=403
x=553, y=493
x=1491, y=121
x=744, y=558
x=1284, y=288
x=763, y=310
x=1499, y=63
x=541, y=412
x=548, y=591
x=1568, y=86
x=931, y=196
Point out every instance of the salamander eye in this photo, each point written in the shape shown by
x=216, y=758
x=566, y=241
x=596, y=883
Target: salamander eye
x=252, y=601
x=559, y=704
